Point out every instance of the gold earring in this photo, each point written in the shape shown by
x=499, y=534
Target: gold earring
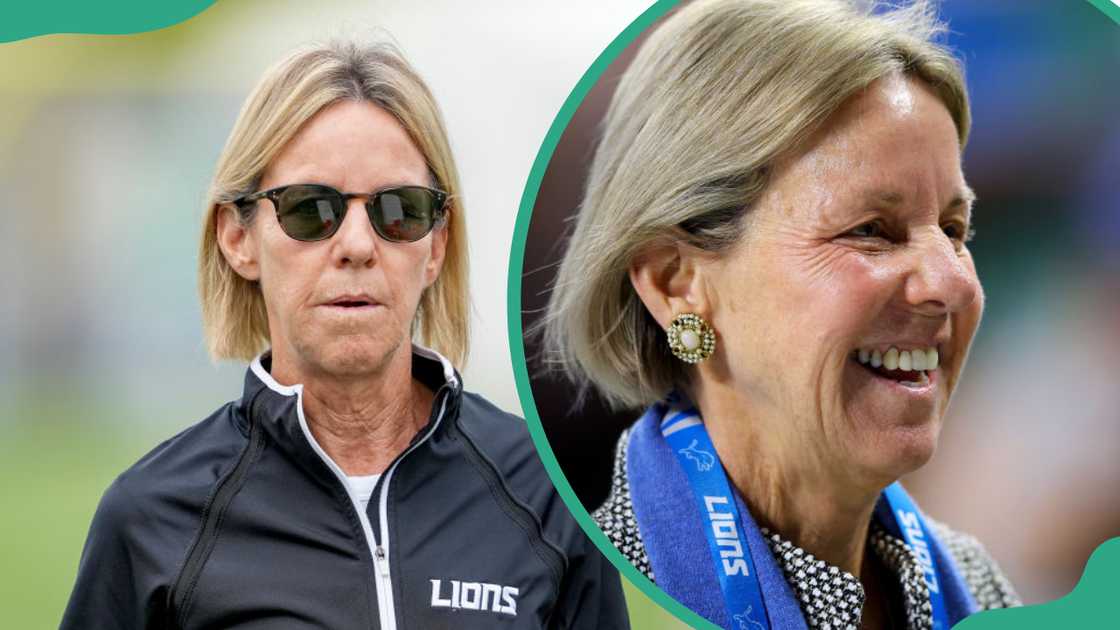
x=691, y=338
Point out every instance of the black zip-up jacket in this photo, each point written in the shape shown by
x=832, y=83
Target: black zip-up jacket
x=242, y=521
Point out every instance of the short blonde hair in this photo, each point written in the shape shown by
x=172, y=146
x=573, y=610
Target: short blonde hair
x=714, y=97
x=310, y=78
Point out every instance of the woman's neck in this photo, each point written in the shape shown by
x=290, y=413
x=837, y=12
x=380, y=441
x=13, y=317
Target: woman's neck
x=793, y=484
x=362, y=422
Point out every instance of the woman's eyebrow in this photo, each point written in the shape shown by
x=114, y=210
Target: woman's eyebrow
x=887, y=197
x=962, y=200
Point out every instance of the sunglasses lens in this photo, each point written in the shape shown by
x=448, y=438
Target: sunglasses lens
x=310, y=213
x=405, y=214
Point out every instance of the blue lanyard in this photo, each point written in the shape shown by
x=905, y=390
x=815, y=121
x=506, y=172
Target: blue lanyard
x=684, y=432
x=908, y=523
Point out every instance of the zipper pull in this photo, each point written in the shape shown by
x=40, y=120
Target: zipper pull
x=382, y=561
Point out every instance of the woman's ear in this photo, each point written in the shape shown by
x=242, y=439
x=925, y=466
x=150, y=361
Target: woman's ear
x=669, y=279
x=238, y=243
x=437, y=254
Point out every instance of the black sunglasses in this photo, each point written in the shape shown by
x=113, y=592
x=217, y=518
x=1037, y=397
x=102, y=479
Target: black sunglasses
x=314, y=212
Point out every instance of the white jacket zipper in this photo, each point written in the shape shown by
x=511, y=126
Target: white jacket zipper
x=382, y=575
x=381, y=551
x=380, y=557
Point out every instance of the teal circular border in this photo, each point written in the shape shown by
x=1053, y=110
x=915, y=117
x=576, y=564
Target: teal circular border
x=1086, y=604
x=516, y=338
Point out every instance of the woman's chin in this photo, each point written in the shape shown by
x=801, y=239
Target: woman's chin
x=352, y=356
x=912, y=447
x=893, y=427
x=889, y=452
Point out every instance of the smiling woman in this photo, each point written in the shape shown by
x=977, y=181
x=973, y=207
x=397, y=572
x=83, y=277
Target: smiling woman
x=771, y=257
x=855, y=245
x=333, y=248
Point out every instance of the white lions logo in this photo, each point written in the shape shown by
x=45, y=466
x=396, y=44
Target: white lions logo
x=704, y=460
x=476, y=596
x=745, y=619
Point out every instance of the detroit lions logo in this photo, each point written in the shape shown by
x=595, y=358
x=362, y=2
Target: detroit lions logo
x=476, y=596
x=704, y=460
x=745, y=618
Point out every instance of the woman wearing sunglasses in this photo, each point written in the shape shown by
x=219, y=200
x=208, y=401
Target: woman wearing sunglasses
x=354, y=484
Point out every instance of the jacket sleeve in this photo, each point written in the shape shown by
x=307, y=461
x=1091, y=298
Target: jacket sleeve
x=591, y=595
x=114, y=588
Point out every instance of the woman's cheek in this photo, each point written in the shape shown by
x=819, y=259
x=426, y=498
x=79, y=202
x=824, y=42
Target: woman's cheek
x=853, y=285
x=978, y=304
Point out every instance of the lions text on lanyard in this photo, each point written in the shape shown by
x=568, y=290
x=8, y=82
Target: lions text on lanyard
x=726, y=532
x=684, y=432
x=909, y=522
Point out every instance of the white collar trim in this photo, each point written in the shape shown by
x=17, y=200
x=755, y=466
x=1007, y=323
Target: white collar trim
x=291, y=390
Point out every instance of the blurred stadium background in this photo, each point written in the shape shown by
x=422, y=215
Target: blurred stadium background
x=107, y=144
x=1029, y=460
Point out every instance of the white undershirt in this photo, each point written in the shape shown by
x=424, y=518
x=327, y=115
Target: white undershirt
x=362, y=487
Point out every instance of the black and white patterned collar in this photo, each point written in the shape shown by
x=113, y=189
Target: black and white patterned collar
x=833, y=599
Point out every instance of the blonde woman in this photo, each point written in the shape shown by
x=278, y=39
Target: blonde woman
x=771, y=258
x=355, y=484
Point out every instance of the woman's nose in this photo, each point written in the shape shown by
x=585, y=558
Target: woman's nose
x=943, y=279
x=355, y=243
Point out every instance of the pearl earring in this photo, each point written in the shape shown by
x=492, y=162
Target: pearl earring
x=691, y=338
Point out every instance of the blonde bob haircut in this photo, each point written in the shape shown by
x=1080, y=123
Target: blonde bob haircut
x=310, y=78
x=714, y=97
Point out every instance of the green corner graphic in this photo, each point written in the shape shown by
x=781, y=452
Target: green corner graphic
x=1085, y=607
x=1109, y=8
x=117, y=17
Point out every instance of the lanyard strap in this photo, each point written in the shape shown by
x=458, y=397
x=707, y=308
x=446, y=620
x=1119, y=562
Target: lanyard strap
x=684, y=432
x=908, y=523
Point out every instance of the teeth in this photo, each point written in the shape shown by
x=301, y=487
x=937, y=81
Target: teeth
x=904, y=360
x=916, y=360
x=890, y=359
